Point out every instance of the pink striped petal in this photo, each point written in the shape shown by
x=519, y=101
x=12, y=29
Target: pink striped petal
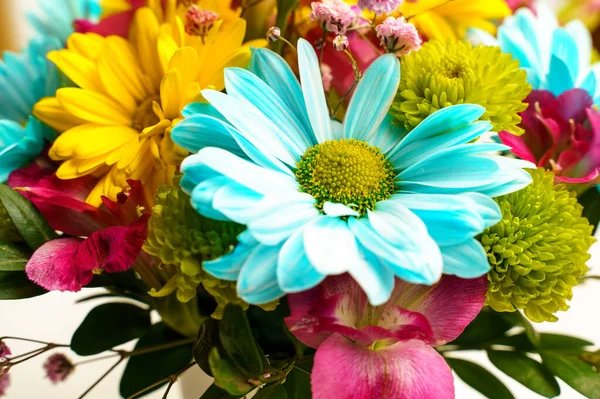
x=407, y=370
x=51, y=266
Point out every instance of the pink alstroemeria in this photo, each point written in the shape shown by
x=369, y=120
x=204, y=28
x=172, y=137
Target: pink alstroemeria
x=561, y=134
x=114, y=24
x=67, y=264
x=384, y=351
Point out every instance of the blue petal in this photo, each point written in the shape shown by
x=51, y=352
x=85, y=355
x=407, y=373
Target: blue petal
x=273, y=69
x=257, y=281
x=202, y=196
x=466, y=260
x=228, y=266
x=372, y=99
x=565, y=48
x=236, y=202
x=199, y=131
x=294, y=271
x=203, y=109
x=559, y=77
x=374, y=277
x=243, y=85
x=388, y=135
x=583, y=40
x=337, y=209
x=252, y=124
x=314, y=94
x=277, y=217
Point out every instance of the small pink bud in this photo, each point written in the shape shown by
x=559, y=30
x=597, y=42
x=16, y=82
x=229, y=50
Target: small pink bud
x=199, y=21
x=340, y=43
x=4, y=383
x=398, y=36
x=4, y=350
x=273, y=34
x=58, y=367
x=333, y=15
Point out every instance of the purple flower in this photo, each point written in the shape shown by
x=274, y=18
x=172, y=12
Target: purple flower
x=58, y=367
x=398, y=36
x=386, y=351
x=4, y=382
x=333, y=15
x=380, y=6
x=4, y=350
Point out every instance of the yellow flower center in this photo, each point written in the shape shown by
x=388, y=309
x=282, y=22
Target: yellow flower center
x=144, y=114
x=454, y=68
x=346, y=171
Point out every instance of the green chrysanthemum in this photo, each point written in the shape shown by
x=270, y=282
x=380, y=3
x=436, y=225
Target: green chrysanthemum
x=181, y=238
x=443, y=74
x=8, y=231
x=538, y=250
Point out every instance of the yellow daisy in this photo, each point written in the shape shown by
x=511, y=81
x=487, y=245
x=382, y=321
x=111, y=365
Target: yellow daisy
x=443, y=19
x=116, y=124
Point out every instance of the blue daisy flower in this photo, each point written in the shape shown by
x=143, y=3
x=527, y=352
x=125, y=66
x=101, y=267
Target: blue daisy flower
x=323, y=198
x=556, y=58
x=55, y=18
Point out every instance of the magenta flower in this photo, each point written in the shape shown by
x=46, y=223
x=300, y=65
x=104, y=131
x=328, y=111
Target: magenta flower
x=561, y=134
x=333, y=15
x=115, y=24
x=398, y=36
x=4, y=350
x=380, y=6
x=4, y=382
x=383, y=351
x=58, y=367
x=67, y=264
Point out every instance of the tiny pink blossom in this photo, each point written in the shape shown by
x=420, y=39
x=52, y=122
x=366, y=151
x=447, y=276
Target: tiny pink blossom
x=340, y=43
x=398, y=36
x=334, y=15
x=327, y=76
x=199, y=21
x=380, y=6
x=4, y=383
x=4, y=350
x=58, y=367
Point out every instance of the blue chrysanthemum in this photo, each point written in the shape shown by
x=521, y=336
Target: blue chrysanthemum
x=322, y=198
x=556, y=58
x=55, y=18
x=24, y=78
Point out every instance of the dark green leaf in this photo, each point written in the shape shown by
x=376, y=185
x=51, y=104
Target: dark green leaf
x=12, y=257
x=16, y=285
x=32, y=226
x=574, y=371
x=297, y=384
x=271, y=333
x=208, y=338
x=214, y=392
x=228, y=376
x=486, y=327
x=238, y=341
x=526, y=371
x=146, y=369
x=480, y=379
x=532, y=335
x=305, y=363
x=590, y=200
x=271, y=392
x=555, y=342
x=109, y=325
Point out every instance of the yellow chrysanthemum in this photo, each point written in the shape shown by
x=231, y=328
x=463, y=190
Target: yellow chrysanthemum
x=443, y=19
x=116, y=125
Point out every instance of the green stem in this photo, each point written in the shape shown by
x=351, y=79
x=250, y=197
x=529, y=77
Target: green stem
x=114, y=366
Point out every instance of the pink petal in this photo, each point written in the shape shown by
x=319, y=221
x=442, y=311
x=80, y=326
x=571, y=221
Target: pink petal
x=449, y=306
x=117, y=24
x=125, y=209
x=571, y=104
x=407, y=370
x=51, y=266
x=518, y=146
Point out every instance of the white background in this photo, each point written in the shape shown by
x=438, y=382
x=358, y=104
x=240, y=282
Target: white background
x=54, y=317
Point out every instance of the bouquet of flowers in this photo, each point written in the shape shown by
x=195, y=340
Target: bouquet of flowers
x=319, y=199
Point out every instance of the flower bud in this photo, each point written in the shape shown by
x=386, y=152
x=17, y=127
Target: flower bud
x=58, y=367
x=273, y=34
x=340, y=43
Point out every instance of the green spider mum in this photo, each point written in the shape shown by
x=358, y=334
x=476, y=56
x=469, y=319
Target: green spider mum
x=538, y=250
x=181, y=238
x=444, y=74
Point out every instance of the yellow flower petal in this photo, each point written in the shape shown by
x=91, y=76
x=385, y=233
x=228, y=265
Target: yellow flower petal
x=185, y=60
x=110, y=7
x=214, y=75
x=171, y=94
x=49, y=111
x=87, y=45
x=92, y=107
x=166, y=49
x=79, y=69
x=90, y=140
x=144, y=34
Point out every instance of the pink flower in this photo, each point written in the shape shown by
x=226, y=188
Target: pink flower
x=67, y=264
x=516, y=4
x=333, y=15
x=398, y=36
x=561, y=134
x=384, y=351
x=340, y=42
x=58, y=367
x=115, y=24
x=4, y=350
x=380, y=6
x=327, y=76
x=4, y=382
x=199, y=21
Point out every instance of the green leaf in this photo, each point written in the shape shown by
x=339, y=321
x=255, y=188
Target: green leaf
x=208, y=338
x=297, y=384
x=16, y=285
x=284, y=8
x=271, y=333
x=32, y=226
x=146, y=369
x=554, y=342
x=228, y=376
x=480, y=379
x=12, y=257
x=272, y=392
x=238, y=341
x=574, y=371
x=532, y=335
x=590, y=200
x=526, y=371
x=214, y=392
x=109, y=325
x=486, y=327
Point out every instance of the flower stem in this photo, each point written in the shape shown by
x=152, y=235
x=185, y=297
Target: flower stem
x=357, y=76
x=114, y=366
x=172, y=379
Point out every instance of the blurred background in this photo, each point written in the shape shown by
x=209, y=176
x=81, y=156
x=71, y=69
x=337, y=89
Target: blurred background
x=55, y=316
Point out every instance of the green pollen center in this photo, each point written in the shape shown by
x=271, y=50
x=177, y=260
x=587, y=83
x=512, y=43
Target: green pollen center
x=346, y=171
